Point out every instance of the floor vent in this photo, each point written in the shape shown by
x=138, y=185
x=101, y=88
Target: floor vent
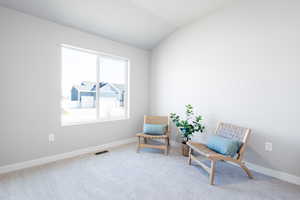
x=101, y=152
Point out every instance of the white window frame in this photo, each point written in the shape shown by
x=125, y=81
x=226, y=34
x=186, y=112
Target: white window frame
x=127, y=86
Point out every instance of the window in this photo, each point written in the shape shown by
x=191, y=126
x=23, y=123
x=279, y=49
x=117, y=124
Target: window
x=94, y=86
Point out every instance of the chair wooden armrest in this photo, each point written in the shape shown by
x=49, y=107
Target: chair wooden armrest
x=151, y=136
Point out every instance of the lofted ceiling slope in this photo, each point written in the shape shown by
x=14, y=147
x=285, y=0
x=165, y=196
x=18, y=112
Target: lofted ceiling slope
x=140, y=23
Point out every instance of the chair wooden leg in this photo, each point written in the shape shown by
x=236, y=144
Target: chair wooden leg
x=212, y=172
x=145, y=140
x=138, y=145
x=190, y=156
x=249, y=174
x=168, y=141
x=166, y=146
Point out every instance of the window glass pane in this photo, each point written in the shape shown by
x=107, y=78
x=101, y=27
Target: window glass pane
x=79, y=77
x=113, y=84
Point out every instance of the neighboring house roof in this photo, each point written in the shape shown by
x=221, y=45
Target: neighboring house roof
x=87, y=86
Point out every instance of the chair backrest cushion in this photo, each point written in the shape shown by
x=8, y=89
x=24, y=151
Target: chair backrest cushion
x=222, y=145
x=232, y=132
x=155, y=129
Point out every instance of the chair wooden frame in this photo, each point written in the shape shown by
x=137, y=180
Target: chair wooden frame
x=165, y=137
x=232, y=132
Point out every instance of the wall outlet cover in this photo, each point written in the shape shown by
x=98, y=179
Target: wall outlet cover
x=51, y=137
x=268, y=146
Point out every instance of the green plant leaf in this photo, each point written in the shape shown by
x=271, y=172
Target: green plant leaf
x=187, y=127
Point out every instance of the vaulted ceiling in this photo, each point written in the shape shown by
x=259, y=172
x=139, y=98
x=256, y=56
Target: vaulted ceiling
x=141, y=23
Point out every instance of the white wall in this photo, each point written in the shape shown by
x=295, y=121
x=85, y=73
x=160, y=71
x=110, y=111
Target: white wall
x=239, y=65
x=30, y=89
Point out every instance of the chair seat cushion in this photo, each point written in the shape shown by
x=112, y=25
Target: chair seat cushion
x=223, y=145
x=155, y=129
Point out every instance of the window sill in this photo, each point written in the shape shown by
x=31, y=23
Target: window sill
x=93, y=122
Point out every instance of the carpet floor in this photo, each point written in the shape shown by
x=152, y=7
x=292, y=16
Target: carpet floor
x=124, y=174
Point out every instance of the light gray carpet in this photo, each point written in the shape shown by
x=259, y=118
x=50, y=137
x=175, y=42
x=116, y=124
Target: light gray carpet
x=123, y=174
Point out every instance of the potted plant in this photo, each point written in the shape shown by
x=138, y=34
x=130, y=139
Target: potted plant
x=188, y=126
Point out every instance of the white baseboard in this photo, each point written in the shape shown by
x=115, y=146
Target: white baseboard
x=49, y=159
x=274, y=173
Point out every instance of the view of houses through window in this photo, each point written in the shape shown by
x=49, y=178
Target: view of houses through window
x=94, y=86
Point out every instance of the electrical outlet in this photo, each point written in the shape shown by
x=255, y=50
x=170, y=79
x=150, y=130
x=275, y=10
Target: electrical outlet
x=51, y=138
x=268, y=146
